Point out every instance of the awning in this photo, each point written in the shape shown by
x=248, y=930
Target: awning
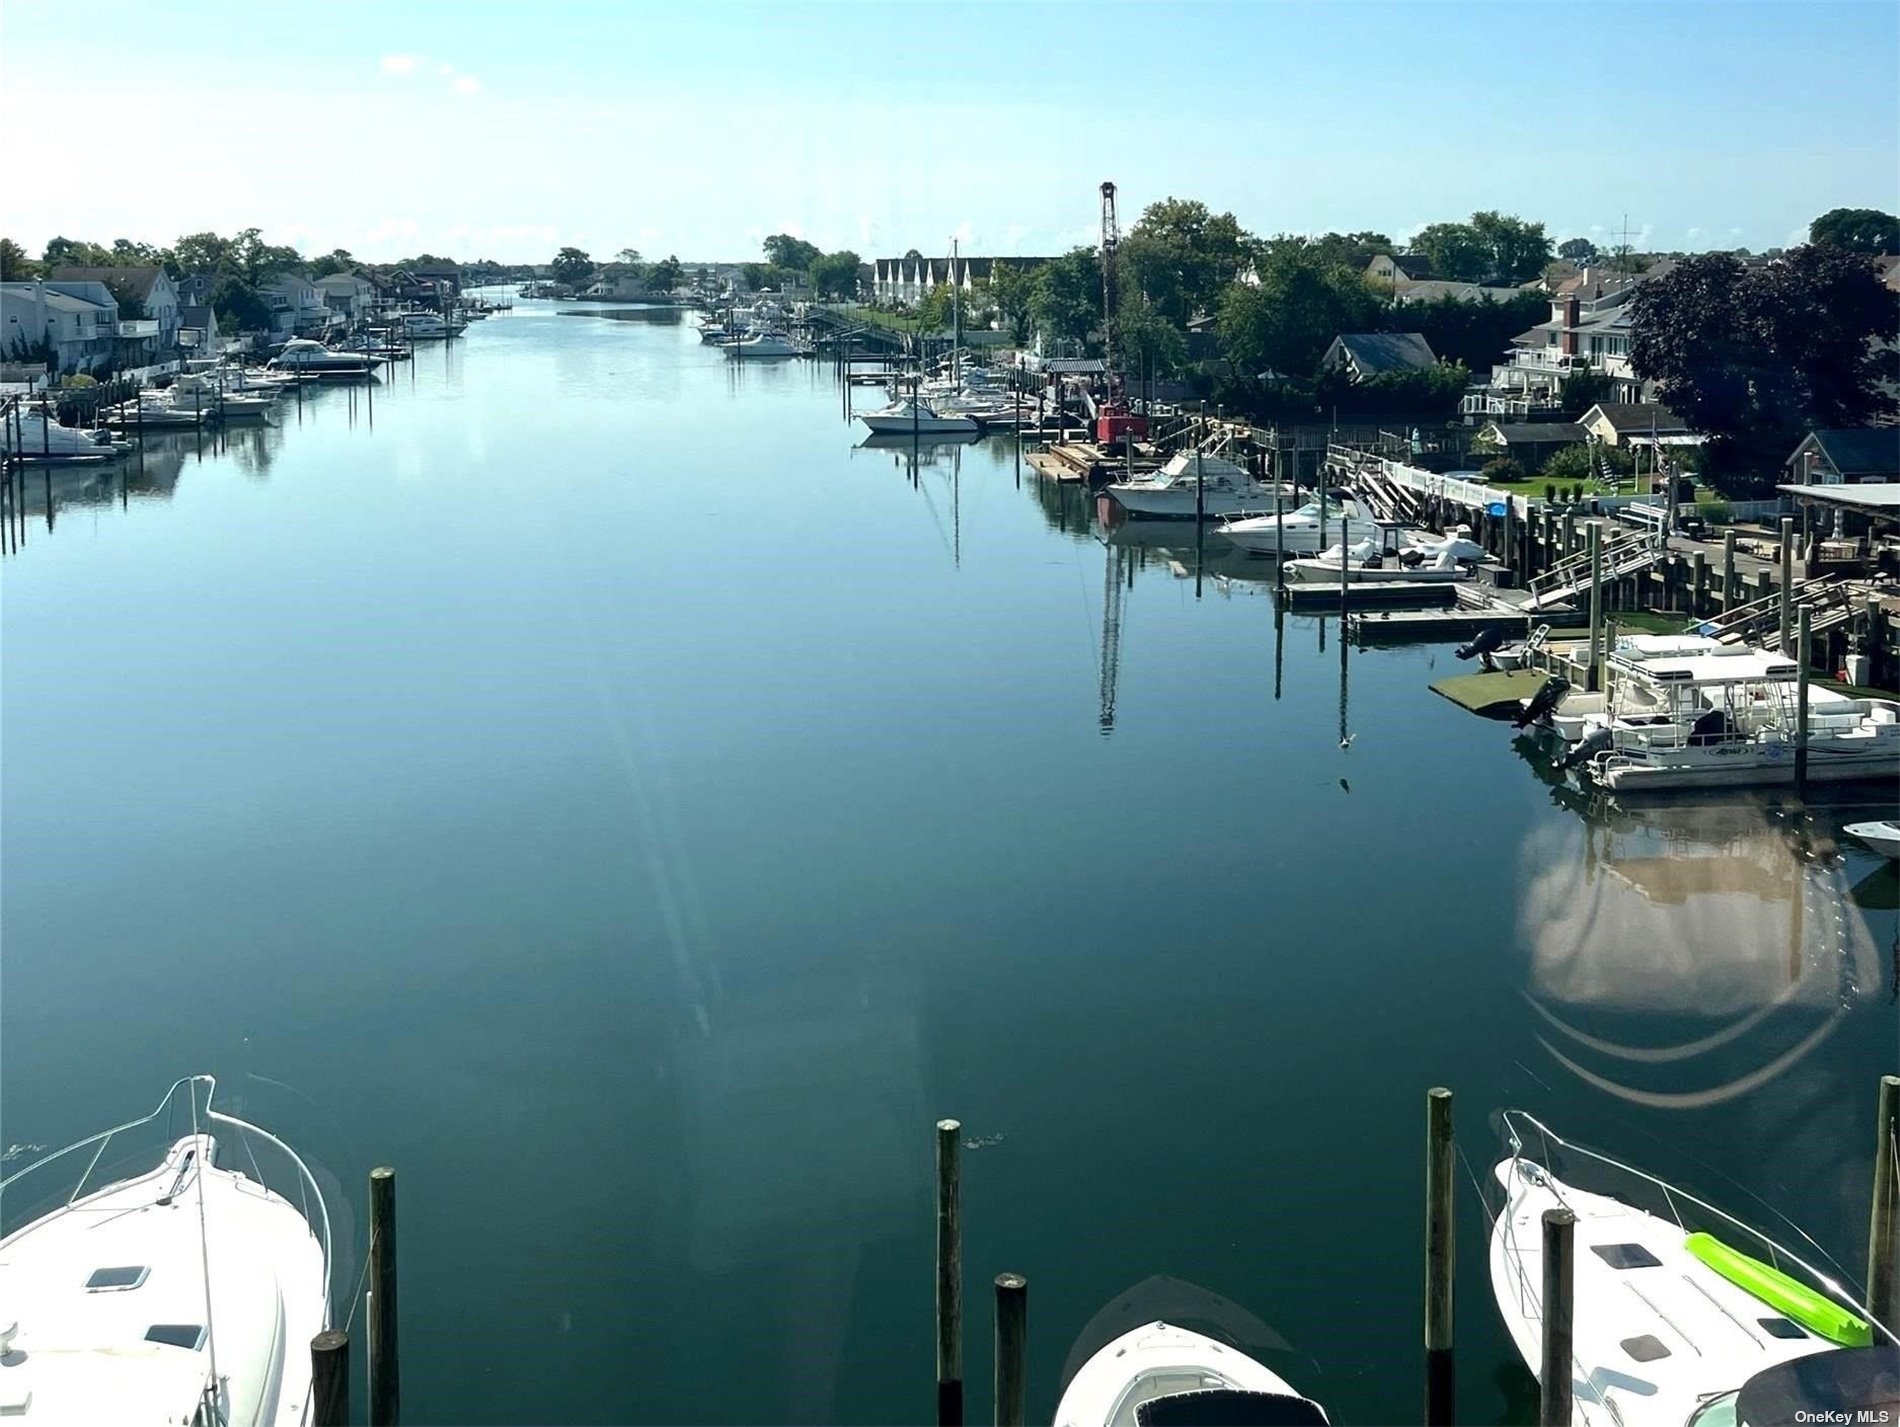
x=1872, y=497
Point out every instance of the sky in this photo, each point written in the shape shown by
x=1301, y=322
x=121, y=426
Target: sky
x=696, y=128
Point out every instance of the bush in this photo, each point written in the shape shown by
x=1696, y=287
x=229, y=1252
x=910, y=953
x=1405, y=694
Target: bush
x=1550, y=492
x=1500, y=469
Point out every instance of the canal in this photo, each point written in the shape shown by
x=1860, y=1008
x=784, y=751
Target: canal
x=596, y=784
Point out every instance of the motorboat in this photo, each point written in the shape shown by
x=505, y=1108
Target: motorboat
x=302, y=354
x=913, y=416
x=1733, y=720
x=1883, y=836
x=185, y=1292
x=1306, y=530
x=1160, y=1375
x=1389, y=555
x=1674, y=1314
x=1581, y=712
x=429, y=326
x=45, y=440
x=1190, y=481
x=203, y=392
x=763, y=344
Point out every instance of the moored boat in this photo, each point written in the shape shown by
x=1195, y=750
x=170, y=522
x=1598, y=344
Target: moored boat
x=1194, y=481
x=1305, y=530
x=915, y=416
x=762, y=344
x=1160, y=1375
x=1882, y=836
x=302, y=354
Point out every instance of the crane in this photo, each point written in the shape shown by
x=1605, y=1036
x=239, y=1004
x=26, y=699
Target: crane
x=1113, y=420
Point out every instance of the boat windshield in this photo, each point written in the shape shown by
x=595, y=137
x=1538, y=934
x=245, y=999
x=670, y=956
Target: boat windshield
x=1716, y=1412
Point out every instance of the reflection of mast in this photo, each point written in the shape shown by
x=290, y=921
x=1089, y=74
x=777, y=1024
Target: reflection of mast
x=1111, y=635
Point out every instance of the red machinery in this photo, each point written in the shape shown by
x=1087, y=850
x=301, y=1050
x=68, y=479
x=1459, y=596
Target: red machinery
x=1113, y=420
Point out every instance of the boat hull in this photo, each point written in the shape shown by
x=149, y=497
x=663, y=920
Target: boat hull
x=1160, y=1360
x=921, y=425
x=1882, y=837
x=1173, y=504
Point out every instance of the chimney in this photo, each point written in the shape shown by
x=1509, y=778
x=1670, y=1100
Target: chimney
x=1571, y=309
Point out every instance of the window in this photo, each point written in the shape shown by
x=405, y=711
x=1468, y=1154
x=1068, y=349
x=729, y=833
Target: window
x=190, y=1336
x=116, y=1280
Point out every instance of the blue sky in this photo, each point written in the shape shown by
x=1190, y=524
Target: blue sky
x=696, y=128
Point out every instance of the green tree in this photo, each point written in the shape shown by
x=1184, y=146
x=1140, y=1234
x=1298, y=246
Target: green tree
x=1584, y=388
x=934, y=312
x=1179, y=256
x=1517, y=251
x=835, y=274
x=665, y=275
x=1475, y=333
x=1753, y=357
x=1580, y=251
x=1284, y=323
x=337, y=260
x=572, y=267
x=14, y=263
x=628, y=258
x=201, y=253
x=238, y=306
x=1859, y=230
x=782, y=250
x=755, y=276
x=1458, y=252
x=257, y=260
x=1149, y=341
x=1012, y=287
x=74, y=253
x=1067, y=301
x=1349, y=250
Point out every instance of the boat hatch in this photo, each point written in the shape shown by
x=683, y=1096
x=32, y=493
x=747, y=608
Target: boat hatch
x=190, y=1336
x=1228, y=1407
x=1626, y=1255
x=1779, y=1327
x=117, y=1280
x=1645, y=1348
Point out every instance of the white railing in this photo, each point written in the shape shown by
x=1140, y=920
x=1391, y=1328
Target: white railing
x=1460, y=492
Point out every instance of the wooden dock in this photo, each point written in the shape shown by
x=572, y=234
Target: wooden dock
x=1384, y=593
x=1401, y=625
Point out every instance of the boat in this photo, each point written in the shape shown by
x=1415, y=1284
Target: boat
x=913, y=416
x=763, y=344
x=1732, y=720
x=1160, y=1375
x=429, y=326
x=186, y=1292
x=1673, y=1314
x=1581, y=712
x=1883, y=837
x=203, y=392
x=1520, y=654
x=1190, y=481
x=45, y=440
x=1303, y=531
x=1388, y=556
x=302, y=354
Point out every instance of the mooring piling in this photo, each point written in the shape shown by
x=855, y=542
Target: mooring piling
x=1554, y=1403
x=1787, y=581
x=949, y=1275
x=1012, y=1314
x=330, y=1378
x=1883, y=1225
x=1804, y=654
x=1440, y=1260
x=1596, y=606
x=385, y=1372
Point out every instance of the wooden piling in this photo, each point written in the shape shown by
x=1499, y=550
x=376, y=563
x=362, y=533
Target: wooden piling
x=1012, y=1314
x=1596, y=606
x=1728, y=569
x=330, y=1379
x=1883, y=1225
x=1787, y=581
x=1440, y=1261
x=385, y=1372
x=1804, y=653
x=1553, y=1401
x=949, y=1275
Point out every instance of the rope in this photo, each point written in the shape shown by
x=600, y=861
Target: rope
x=356, y=1297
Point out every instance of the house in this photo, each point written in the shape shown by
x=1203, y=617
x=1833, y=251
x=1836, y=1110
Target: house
x=1855, y=456
x=447, y=277
x=351, y=295
x=906, y=281
x=1633, y=424
x=195, y=289
x=144, y=293
x=198, y=330
x=1397, y=271
x=1433, y=290
x=72, y=327
x=621, y=287
x=297, y=308
x=1363, y=355
x=1531, y=444
x=1589, y=327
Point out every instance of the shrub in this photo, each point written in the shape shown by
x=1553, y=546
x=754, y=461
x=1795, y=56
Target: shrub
x=1500, y=469
x=1550, y=492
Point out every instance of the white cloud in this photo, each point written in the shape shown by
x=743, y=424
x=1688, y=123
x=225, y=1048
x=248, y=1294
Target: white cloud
x=399, y=64
x=467, y=84
x=445, y=70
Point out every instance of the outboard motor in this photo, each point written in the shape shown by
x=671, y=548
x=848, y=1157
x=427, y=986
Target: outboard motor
x=1543, y=701
x=1487, y=641
x=1586, y=748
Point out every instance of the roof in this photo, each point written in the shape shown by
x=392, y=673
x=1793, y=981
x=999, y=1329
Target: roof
x=1882, y=496
x=137, y=281
x=1374, y=353
x=1433, y=288
x=1857, y=451
x=1539, y=432
x=1414, y=265
x=200, y=317
x=1636, y=417
x=56, y=300
x=342, y=282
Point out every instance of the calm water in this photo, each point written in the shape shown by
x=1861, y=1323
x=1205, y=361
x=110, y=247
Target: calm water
x=602, y=791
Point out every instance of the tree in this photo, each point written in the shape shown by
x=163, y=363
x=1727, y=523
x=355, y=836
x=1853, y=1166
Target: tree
x=1349, y=250
x=337, y=260
x=933, y=313
x=628, y=257
x=1012, y=286
x=572, y=267
x=1285, y=323
x=1067, y=301
x=1179, y=256
x=200, y=253
x=1475, y=333
x=238, y=306
x=1457, y=251
x=1753, y=357
x=665, y=275
x=74, y=253
x=755, y=276
x=1859, y=230
x=14, y=263
x=835, y=274
x=782, y=250
x=1580, y=251
x=1584, y=388
x=257, y=260
x=1148, y=340
x=1518, y=250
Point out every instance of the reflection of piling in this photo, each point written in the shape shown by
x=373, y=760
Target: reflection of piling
x=330, y=1378
x=949, y=1276
x=1553, y=1406
x=1440, y=1260
x=1012, y=1316
x=385, y=1373
x=1883, y=1227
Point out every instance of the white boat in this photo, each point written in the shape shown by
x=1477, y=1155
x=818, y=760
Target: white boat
x=1190, y=481
x=1581, y=712
x=187, y=1292
x=1668, y=1322
x=913, y=416
x=301, y=354
x=45, y=440
x=429, y=326
x=1297, y=532
x=1163, y=1376
x=763, y=344
x=1387, y=555
x=1730, y=720
x=203, y=392
x=1883, y=837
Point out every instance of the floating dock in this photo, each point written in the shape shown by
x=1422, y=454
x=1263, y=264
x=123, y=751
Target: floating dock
x=1494, y=695
x=1371, y=592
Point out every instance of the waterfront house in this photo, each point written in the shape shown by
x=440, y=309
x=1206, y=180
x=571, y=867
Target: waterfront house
x=297, y=308
x=198, y=330
x=1865, y=455
x=147, y=303
x=350, y=295
x=1531, y=444
x=1363, y=355
x=1394, y=271
x=195, y=289
x=1637, y=423
x=72, y=327
x=447, y=277
x=1588, y=327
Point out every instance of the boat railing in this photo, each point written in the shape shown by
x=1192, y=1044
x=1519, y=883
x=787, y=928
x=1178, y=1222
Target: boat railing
x=1523, y=1132
x=185, y=1109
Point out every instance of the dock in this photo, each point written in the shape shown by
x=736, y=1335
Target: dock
x=1384, y=593
x=1493, y=695
x=1400, y=625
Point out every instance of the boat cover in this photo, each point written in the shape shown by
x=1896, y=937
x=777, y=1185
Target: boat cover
x=1847, y=1385
x=1225, y=1407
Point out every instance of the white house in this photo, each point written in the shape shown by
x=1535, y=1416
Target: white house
x=76, y=325
x=297, y=308
x=348, y=294
x=146, y=299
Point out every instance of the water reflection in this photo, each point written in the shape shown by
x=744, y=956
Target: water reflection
x=1684, y=955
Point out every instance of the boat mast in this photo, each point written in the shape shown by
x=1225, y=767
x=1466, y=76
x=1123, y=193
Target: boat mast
x=956, y=316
